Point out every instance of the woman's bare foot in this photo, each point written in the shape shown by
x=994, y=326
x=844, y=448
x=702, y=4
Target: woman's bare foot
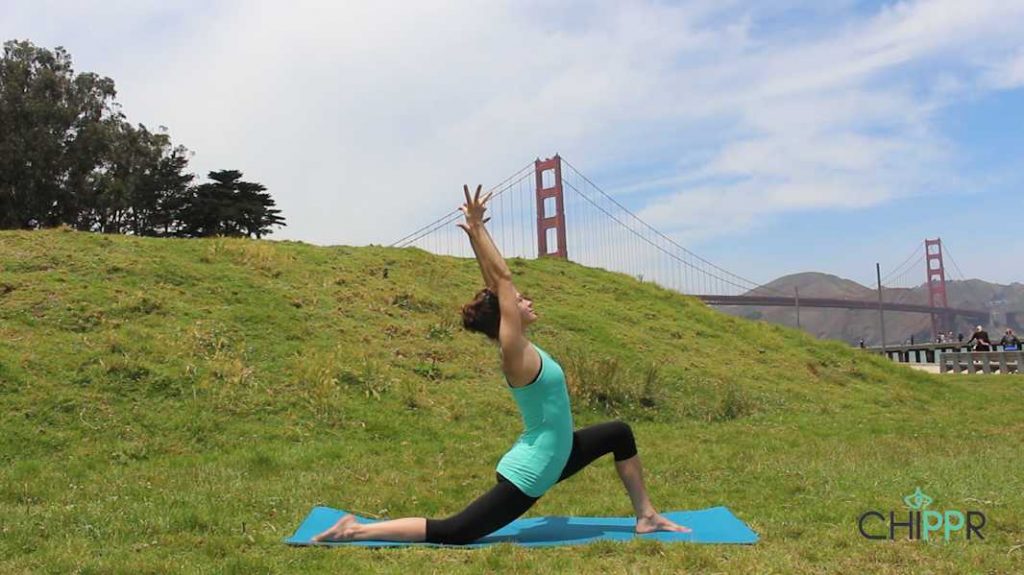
x=343, y=530
x=656, y=522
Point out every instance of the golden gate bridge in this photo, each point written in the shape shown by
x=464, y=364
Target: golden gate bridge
x=549, y=209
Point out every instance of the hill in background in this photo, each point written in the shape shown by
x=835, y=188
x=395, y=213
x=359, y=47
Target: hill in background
x=851, y=325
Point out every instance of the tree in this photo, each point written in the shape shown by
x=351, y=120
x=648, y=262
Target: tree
x=53, y=132
x=229, y=206
x=163, y=194
x=69, y=156
x=140, y=187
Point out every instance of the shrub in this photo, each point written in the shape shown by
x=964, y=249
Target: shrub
x=444, y=329
x=367, y=380
x=733, y=403
x=604, y=383
x=711, y=400
x=429, y=371
x=412, y=303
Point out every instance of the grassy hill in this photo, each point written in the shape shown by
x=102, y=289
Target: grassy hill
x=179, y=405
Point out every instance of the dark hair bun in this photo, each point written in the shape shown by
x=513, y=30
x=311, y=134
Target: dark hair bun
x=483, y=314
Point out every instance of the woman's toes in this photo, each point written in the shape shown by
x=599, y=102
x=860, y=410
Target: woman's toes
x=659, y=523
x=672, y=526
x=338, y=532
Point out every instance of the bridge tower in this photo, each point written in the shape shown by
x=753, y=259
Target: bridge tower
x=936, y=284
x=550, y=209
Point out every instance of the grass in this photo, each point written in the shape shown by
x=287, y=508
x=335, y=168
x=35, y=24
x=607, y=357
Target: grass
x=178, y=406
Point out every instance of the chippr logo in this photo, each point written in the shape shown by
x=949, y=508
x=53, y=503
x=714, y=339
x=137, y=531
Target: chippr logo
x=922, y=523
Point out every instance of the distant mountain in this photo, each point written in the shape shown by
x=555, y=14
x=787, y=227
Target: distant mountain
x=852, y=325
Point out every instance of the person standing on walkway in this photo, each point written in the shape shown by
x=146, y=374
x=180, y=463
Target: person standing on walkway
x=980, y=339
x=1010, y=341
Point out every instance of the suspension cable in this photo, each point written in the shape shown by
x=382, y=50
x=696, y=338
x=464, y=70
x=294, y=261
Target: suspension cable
x=668, y=239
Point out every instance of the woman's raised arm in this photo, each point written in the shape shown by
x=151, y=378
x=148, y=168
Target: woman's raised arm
x=515, y=350
x=492, y=265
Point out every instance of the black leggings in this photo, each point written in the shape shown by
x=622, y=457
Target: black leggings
x=505, y=502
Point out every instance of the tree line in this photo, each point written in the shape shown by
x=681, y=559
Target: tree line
x=69, y=156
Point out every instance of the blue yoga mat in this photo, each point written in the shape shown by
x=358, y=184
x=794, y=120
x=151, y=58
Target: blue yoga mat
x=712, y=525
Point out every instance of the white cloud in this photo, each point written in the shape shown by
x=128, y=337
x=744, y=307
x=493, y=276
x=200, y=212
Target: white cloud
x=839, y=122
x=1007, y=74
x=364, y=119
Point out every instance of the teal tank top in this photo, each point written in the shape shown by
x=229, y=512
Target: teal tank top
x=537, y=458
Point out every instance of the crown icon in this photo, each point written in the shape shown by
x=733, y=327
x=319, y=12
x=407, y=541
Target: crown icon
x=917, y=500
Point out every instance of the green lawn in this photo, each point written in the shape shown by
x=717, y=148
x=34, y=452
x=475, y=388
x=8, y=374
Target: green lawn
x=179, y=406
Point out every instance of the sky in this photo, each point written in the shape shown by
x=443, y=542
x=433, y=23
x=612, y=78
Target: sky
x=770, y=137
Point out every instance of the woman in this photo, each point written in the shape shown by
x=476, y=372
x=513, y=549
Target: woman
x=548, y=451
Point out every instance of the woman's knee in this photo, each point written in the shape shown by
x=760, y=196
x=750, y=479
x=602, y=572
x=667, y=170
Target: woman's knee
x=621, y=430
x=625, y=441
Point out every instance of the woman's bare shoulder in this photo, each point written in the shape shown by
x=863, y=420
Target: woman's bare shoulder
x=521, y=368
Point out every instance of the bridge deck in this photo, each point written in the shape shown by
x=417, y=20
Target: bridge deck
x=977, y=316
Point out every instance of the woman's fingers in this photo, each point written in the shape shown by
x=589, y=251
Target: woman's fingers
x=475, y=201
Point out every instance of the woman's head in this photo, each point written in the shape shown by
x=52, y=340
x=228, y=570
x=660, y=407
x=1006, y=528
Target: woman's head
x=483, y=314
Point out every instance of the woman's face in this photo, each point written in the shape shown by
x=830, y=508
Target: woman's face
x=526, y=312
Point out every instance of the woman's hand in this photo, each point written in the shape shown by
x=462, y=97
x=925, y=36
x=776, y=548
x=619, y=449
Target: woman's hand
x=474, y=208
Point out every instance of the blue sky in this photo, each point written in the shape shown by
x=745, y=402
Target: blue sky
x=979, y=218
x=769, y=137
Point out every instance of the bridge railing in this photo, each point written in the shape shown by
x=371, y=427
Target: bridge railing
x=982, y=362
x=928, y=352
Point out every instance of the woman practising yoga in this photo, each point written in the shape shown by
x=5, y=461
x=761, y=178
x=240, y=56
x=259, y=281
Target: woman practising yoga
x=548, y=451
